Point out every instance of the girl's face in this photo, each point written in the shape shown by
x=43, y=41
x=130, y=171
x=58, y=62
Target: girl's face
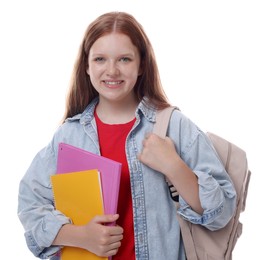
x=113, y=67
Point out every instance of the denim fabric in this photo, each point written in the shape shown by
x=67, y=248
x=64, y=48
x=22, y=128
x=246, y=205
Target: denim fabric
x=156, y=229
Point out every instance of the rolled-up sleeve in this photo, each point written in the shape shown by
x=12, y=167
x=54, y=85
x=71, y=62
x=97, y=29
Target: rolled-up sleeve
x=36, y=210
x=216, y=190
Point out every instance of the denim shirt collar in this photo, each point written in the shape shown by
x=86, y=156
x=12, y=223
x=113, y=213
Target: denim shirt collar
x=87, y=115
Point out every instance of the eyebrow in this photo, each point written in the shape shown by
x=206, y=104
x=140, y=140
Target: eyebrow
x=121, y=55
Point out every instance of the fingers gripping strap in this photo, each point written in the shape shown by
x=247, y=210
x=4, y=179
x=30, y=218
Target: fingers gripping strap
x=162, y=121
x=160, y=129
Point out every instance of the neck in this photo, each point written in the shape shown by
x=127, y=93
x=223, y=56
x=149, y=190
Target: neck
x=116, y=112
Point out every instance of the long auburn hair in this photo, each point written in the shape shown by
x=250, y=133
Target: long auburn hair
x=148, y=84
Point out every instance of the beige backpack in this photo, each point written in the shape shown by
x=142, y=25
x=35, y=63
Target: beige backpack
x=201, y=243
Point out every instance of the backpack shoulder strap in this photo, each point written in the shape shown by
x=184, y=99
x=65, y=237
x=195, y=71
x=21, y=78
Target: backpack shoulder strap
x=162, y=121
x=160, y=128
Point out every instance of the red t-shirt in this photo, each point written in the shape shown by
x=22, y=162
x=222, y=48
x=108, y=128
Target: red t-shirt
x=112, y=145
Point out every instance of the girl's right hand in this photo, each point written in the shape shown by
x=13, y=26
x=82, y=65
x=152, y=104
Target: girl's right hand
x=102, y=239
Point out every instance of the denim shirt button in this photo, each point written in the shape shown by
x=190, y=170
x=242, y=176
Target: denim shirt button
x=140, y=237
x=134, y=166
x=137, y=202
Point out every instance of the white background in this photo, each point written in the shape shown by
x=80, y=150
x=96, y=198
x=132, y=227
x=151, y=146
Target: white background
x=212, y=56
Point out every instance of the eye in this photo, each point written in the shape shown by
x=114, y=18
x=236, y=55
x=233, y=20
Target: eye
x=125, y=59
x=99, y=59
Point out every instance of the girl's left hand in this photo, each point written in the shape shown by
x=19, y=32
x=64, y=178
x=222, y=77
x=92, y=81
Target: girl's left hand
x=158, y=153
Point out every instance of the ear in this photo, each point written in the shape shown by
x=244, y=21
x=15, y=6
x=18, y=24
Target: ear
x=87, y=71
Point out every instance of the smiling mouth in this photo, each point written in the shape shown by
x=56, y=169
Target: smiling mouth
x=113, y=84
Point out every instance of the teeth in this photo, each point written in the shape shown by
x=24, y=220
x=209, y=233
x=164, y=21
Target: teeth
x=112, y=82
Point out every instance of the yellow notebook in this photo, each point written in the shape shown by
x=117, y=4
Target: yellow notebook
x=78, y=195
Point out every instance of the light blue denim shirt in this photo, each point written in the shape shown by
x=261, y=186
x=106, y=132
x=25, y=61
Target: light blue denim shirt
x=156, y=229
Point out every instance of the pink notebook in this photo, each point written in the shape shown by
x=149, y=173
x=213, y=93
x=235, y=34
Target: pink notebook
x=71, y=158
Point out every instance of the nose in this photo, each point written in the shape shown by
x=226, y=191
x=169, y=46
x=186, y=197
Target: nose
x=112, y=69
